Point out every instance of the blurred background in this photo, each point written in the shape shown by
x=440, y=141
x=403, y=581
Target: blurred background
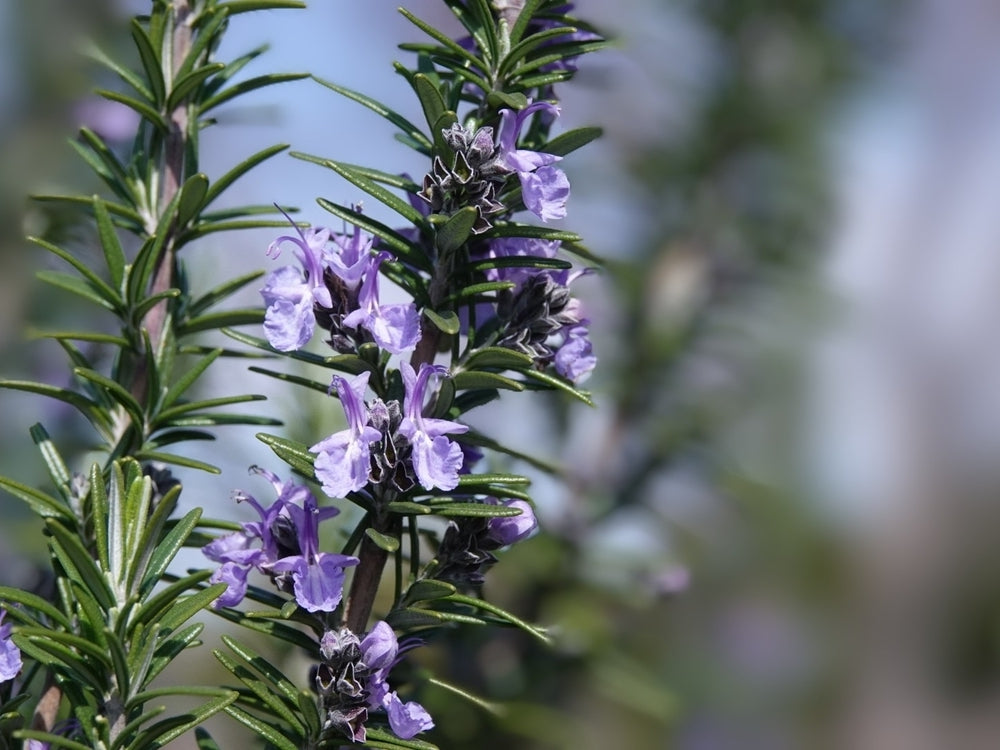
x=780, y=526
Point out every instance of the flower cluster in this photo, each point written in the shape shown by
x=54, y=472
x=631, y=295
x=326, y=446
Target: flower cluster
x=384, y=445
x=337, y=287
x=466, y=550
x=283, y=544
x=352, y=680
x=10, y=654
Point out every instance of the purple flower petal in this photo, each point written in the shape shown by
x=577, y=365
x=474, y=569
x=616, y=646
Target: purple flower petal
x=510, y=529
x=235, y=578
x=406, y=719
x=10, y=654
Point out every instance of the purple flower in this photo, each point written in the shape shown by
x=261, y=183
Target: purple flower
x=544, y=188
x=344, y=460
x=395, y=328
x=317, y=577
x=275, y=533
x=575, y=358
x=290, y=294
x=352, y=257
x=512, y=247
x=510, y=529
x=406, y=719
x=436, y=459
x=10, y=654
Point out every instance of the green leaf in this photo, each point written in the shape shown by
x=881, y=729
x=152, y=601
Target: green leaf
x=478, y=439
x=382, y=541
x=410, y=617
x=78, y=563
x=116, y=391
x=393, y=180
x=32, y=601
x=189, y=606
x=408, y=128
x=377, y=737
x=474, y=379
x=264, y=692
x=141, y=106
x=87, y=407
x=525, y=17
x=222, y=319
x=571, y=140
x=187, y=380
x=129, y=76
x=270, y=628
x=185, y=85
x=494, y=708
x=55, y=655
x=428, y=589
x=265, y=730
x=262, y=665
x=407, y=508
x=76, y=286
x=344, y=362
x=134, y=221
x=521, y=261
x=295, y=379
x=502, y=614
x=172, y=458
x=393, y=201
x=150, y=62
x=91, y=336
x=222, y=291
x=478, y=290
x=456, y=230
x=53, y=460
x=165, y=551
x=446, y=321
x=107, y=297
x=140, y=310
x=106, y=164
x=293, y=453
x=391, y=239
x=234, y=7
x=167, y=730
x=475, y=510
x=168, y=416
x=446, y=41
x=498, y=357
x=220, y=185
x=114, y=256
x=476, y=480
x=553, y=382
x=244, y=87
x=204, y=740
x=163, y=600
x=192, y=199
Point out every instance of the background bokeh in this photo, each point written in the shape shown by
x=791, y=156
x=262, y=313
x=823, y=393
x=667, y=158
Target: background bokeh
x=779, y=528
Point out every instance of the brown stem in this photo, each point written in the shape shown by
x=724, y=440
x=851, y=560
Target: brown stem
x=364, y=585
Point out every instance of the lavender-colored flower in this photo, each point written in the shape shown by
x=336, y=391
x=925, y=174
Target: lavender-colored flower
x=544, y=188
x=406, y=719
x=575, y=358
x=344, y=460
x=352, y=257
x=353, y=680
x=317, y=577
x=436, y=459
x=507, y=530
x=395, y=328
x=290, y=293
x=10, y=654
x=274, y=532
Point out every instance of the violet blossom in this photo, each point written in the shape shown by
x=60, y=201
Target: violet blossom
x=506, y=530
x=353, y=680
x=544, y=188
x=10, y=654
x=436, y=459
x=317, y=577
x=395, y=328
x=290, y=294
x=344, y=461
